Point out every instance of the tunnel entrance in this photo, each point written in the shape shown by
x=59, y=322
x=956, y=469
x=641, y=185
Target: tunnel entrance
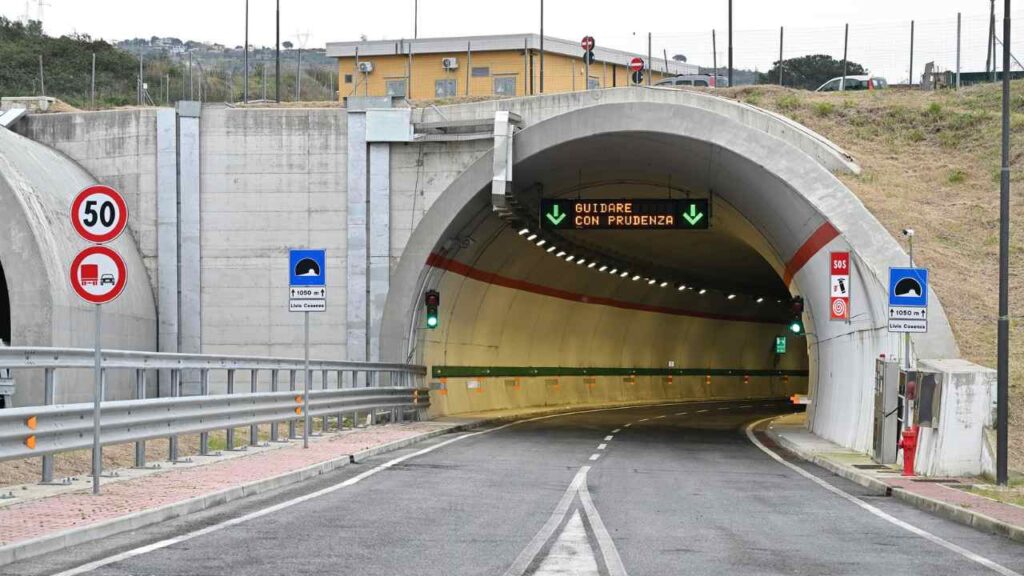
x=5, y=309
x=536, y=311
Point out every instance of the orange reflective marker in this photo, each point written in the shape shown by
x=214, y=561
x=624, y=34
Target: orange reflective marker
x=31, y=422
x=31, y=442
x=298, y=399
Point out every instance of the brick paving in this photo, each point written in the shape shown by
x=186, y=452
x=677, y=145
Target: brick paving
x=1009, y=513
x=33, y=519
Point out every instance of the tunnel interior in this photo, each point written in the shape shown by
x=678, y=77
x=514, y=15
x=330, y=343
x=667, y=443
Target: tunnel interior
x=5, y=309
x=535, y=315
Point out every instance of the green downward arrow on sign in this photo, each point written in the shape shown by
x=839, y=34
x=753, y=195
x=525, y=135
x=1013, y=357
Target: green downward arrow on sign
x=556, y=215
x=693, y=217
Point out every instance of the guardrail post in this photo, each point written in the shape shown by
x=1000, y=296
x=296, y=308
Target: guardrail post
x=324, y=377
x=204, y=390
x=230, y=434
x=172, y=442
x=341, y=416
x=273, y=388
x=254, y=429
x=50, y=377
x=292, y=432
x=140, y=394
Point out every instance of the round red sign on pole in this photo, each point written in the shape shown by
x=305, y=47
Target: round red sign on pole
x=99, y=214
x=587, y=43
x=636, y=64
x=98, y=274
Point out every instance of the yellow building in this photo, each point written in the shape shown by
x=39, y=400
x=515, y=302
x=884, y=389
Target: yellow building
x=506, y=65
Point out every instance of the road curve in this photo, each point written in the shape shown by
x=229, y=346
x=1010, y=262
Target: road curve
x=661, y=490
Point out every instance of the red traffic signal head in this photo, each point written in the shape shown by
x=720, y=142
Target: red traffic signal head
x=432, y=298
x=797, y=305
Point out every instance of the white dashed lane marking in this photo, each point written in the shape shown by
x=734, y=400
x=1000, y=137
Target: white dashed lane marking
x=594, y=456
x=608, y=438
x=747, y=406
x=658, y=417
x=616, y=431
x=726, y=408
x=643, y=420
x=602, y=446
x=627, y=425
x=701, y=411
x=680, y=413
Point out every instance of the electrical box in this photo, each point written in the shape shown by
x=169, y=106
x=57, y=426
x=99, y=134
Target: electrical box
x=887, y=409
x=366, y=67
x=449, y=63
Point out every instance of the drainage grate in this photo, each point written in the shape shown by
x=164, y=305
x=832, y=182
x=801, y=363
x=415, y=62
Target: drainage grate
x=871, y=466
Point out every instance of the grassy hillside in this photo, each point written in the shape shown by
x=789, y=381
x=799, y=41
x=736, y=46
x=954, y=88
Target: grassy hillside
x=931, y=162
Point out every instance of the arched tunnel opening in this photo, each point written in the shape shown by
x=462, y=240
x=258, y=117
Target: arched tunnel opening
x=5, y=309
x=538, y=313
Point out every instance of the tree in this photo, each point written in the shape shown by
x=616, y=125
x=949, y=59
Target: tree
x=287, y=45
x=809, y=72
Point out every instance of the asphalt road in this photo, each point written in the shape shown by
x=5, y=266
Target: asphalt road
x=667, y=490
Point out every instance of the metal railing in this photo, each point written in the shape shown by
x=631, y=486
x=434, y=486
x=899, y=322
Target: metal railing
x=50, y=428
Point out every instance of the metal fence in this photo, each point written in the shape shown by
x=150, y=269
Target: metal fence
x=369, y=389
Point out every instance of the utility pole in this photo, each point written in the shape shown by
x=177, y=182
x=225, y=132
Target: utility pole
x=846, y=45
x=911, y=82
x=714, y=55
x=92, y=84
x=277, y=66
x=140, y=75
x=650, y=62
x=245, y=91
x=298, y=77
x=782, y=31
x=957, y=50
x=42, y=79
x=542, y=46
x=415, y=19
x=730, y=43
x=1003, y=337
x=990, y=57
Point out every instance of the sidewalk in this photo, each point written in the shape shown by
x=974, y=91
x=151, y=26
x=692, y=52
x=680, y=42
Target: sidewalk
x=946, y=497
x=36, y=524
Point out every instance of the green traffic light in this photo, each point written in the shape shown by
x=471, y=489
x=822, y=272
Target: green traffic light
x=796, y=327
x=431, y=321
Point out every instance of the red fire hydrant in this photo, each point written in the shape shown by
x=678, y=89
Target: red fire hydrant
x=909, y=445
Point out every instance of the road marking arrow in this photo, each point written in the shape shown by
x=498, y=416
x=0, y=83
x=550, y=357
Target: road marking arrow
x=693, y=217
x=556, y=216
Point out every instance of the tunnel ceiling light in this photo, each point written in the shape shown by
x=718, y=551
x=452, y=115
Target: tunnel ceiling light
x=635, y=278
x=663, y=284
x=592, y=264
x=652, y=281
x=531, y=237
x=759, y=300
x=731, y=296
x=570, y=258
x=624, y=274
x=560, y=253
x=552, y=249
x=524, y=231
x=603, y=268
x=542, y=242
x=702, y=291
x=681, y=287
x=581, y=261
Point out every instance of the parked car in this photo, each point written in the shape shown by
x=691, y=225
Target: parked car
x=699, y=80
x=854, y=83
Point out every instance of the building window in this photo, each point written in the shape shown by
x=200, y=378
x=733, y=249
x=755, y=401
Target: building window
x=481, y=72
x=505, y=86
x=396, y=88
x=348, y=78
x=444, y=88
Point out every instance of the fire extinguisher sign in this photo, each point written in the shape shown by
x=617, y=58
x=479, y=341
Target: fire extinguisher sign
x=839, y=276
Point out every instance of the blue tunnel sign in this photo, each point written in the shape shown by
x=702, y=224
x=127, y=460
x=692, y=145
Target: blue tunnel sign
x=307, y=280
x=908, y=300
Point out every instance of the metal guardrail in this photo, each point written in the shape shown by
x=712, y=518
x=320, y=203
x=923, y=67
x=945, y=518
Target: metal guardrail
x=48, y=429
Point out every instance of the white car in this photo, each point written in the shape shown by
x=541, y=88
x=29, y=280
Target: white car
x=854, y=83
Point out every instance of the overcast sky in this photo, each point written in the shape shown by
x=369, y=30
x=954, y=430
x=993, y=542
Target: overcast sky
x=678, y=27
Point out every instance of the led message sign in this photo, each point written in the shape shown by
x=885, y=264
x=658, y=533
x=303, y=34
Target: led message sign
x=628, y=214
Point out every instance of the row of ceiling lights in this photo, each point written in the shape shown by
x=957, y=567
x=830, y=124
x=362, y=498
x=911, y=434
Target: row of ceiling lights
x=592, y=264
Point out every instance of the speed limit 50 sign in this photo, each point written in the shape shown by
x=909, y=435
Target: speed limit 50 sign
x=99, y=214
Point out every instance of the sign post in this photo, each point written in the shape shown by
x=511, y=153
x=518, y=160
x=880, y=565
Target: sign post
x=839, y=279
x=307, y=292
x=98, y=275
x=588, y=56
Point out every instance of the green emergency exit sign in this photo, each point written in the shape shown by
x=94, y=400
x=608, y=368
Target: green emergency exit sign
x=780, y=344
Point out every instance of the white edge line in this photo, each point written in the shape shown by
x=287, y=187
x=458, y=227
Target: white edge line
x=604, y=540
x=89, y=567
x=877, y=512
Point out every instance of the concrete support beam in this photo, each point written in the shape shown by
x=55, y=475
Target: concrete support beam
x=358, y=246
x=380, y=241
x=167, y=229
x=190, y=285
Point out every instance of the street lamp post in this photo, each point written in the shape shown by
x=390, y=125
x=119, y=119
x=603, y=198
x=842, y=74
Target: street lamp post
x=1003, y=337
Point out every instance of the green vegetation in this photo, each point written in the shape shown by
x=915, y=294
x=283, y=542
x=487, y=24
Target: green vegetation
x=956, y=176
x=823, y=109
x=809, y=72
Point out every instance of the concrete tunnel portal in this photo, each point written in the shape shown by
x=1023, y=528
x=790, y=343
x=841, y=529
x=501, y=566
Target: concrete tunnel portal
x=523, y=325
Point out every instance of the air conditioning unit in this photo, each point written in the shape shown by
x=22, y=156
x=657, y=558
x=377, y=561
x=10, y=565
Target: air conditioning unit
x=449, y=63
x=366, y=67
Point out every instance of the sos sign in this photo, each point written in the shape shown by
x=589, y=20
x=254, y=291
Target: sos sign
x=99, y=214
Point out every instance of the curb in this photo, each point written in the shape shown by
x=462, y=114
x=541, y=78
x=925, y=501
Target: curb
x=939, y=508
x=24, y=550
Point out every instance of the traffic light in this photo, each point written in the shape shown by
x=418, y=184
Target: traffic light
x=432, y=299
x=797, y=307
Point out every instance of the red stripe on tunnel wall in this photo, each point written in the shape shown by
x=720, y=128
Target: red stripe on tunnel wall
x=438, y=261
x=821, y=237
